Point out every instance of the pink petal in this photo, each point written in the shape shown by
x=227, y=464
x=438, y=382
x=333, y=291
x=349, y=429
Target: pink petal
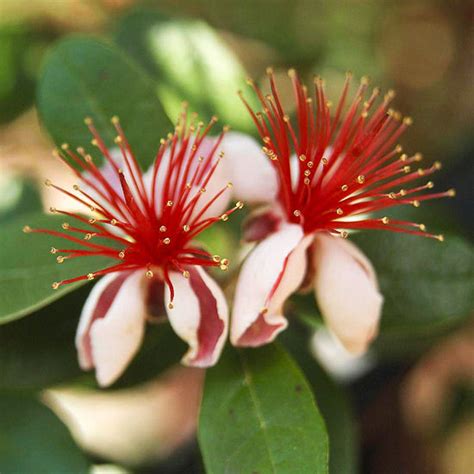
x=249, y=169
x=347, y=292
x=273, y=271
x=199, y=316
x=112, y=325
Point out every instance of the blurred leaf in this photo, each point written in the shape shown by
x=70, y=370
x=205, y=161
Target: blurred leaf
x=18, y=197
x=426, y=284
x=39, y=351
x=20, y=51
x=32, y=439
x=189, y=62
x=258, y=415
x=332, y=401
x=27, y=269
x=86, y=77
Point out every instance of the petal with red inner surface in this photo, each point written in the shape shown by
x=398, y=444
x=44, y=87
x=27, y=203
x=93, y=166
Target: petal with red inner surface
x=199, y=316
x=112, y=325
x=272, y=272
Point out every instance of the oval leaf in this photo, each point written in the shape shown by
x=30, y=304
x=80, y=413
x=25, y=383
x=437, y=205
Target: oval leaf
x=34, y=440
x=258, y=414
x=27, y=269
x=86, y=77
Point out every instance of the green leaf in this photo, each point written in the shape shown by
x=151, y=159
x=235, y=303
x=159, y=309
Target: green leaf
x=32, y=439
x=190, y=62
x=86, y=77
x=258, y=414
x=39, y=351
x=27, y=269
x=427, y=285
x=332, y=401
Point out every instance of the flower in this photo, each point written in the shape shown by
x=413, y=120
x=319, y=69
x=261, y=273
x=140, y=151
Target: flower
x=146, y=224
x=332, y=174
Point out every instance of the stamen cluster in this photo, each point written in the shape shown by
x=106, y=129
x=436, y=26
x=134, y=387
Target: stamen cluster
x=138, y=225
x=334, y=166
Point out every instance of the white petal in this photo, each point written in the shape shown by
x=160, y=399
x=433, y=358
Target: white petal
x=273, y=271
x=112, y=325
x=347, y=292
x=249, y=169
x=199, y=316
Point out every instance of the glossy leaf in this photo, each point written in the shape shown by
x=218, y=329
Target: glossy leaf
x=332, y=401
x=86, y=77
x=33, y=439
x=27, y=269
x=189, y=61
x=258, y=414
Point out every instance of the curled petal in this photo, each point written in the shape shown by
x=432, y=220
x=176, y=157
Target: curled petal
x=346, y=289
x=250, y=171
x=273, y=271
x=199, y=316
x=112, y=324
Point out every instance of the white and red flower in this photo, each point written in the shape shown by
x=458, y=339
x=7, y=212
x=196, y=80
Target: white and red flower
x=146, y=224
x=330, y=175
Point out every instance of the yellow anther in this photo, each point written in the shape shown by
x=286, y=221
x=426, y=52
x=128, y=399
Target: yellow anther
x=385, y=220
x=88, y=121
x=398, y=149
x=115, y=120
x=229, y=184
x=361, y=179
x=88, y=236
x=166, y=240
x=310, y=164
x=451, y=192
x=113, y=222
x=430, y=185
x=422, y=227
x=216, y=258
x=47, y=182
x=76, y=187
x=324, y=161
x=118, y=139
x=403, y=192
x=344, y=187
x=225, y=261
x=149, y=274
x=297, y=213
x=344, y=234
x=53, y=210
x=65, y=226
x=94, y=142
x=186, y=228
x=421, y=171
x=90, y=276
x=416, y=203
x=65, y=146
x=404, y=157
x=440, y=237
x=239, y=205
x=224, y=217
x=392, y=196
x=55, y=285
x=339, y=211
x=60, y=259
x=186, y=274
x=170, y=305
x=121, y=254
x=418, y=156
x=53, y=250
x=302, y=157
x=163, y=228
x=407, y=121
x=406, y=169
x=169, y=203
